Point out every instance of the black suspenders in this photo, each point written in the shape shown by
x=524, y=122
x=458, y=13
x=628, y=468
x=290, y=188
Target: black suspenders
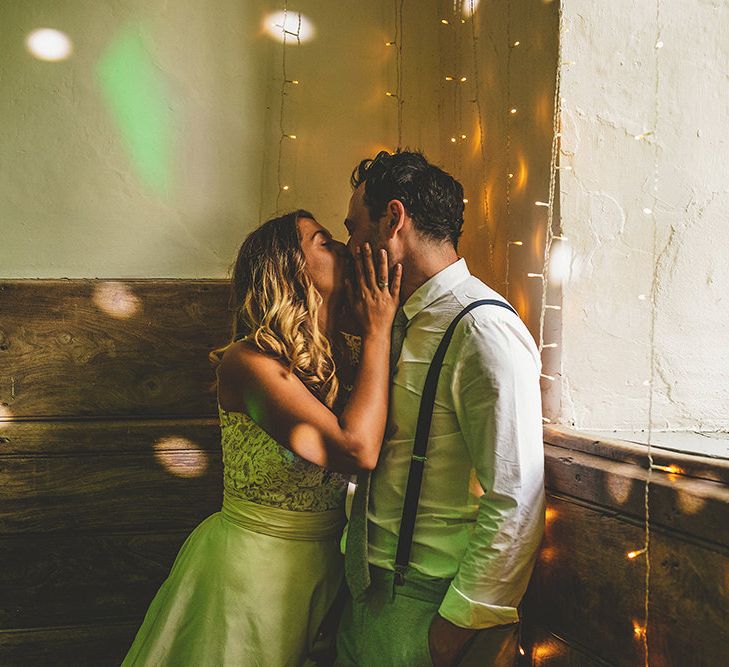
x=420, y=446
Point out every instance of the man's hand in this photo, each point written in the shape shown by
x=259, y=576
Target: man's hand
x=446, y=641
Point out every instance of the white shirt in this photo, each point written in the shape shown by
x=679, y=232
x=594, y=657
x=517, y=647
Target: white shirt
x=481, y=512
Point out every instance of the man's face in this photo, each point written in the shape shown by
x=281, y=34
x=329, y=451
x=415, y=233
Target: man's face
x=361, y=228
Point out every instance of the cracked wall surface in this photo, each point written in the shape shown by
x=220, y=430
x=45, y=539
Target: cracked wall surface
x=608, y=100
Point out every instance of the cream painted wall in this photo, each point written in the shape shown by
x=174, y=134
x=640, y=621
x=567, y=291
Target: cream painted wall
x=608, y=100
x=153, y=150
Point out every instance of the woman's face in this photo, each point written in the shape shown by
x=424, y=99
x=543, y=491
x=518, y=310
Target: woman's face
x=327, y=260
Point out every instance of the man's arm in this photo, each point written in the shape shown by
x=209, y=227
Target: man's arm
x=498, y=406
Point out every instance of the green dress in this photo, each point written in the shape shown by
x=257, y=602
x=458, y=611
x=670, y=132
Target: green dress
x=251, y=583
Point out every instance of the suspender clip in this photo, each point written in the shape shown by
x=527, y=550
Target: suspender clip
x=421, y=459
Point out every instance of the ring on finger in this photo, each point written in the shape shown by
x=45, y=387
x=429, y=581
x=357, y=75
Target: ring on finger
x=383, y=284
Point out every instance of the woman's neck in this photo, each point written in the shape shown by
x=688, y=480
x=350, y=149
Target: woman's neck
x=329, y=317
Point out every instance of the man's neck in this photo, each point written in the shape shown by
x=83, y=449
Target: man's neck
x=421, y=265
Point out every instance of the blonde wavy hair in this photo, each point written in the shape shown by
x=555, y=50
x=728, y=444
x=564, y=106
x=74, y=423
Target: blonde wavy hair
x=275, y=306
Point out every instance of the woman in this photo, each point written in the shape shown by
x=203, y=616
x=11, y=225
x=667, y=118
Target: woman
x=253, y=582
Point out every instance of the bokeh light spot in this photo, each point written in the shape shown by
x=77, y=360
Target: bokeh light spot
x=470, y=7
x=559, y=263
x=291, y=26
x=49, y=44
x=180, y=456
x=116, y=299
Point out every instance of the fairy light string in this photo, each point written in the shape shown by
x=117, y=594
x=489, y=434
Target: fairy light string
x=657, y=46
x=399, y=31
x=481, y=133
x=285, y=83
x=556, y=136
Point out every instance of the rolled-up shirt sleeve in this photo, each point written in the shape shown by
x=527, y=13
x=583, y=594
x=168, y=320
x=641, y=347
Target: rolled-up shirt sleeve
x=495, y=385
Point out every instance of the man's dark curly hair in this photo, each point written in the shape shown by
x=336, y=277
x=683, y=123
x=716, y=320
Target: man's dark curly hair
x=431, y=197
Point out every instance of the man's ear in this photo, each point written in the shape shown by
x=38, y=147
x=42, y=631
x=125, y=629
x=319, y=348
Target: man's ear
x=397, y=214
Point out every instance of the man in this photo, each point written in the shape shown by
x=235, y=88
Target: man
x=480, y=511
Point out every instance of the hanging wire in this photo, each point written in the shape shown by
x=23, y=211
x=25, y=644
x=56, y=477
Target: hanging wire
x=481, y=133
x=399, y=30
x=285, y=82
x=657, y=45
x=556, y=135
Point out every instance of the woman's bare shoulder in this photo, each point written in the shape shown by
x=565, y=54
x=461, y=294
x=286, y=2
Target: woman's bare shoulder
x=244, y=368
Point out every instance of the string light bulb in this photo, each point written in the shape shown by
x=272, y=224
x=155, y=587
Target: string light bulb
x=449, y=78
x=516, y=43
x=512, y=110
x=535, y=275
x=285, y=187
x=463, y=79
x=444, y=21
x=516, y=242
x=465, y=201
x=673, y=469
x=634, y=554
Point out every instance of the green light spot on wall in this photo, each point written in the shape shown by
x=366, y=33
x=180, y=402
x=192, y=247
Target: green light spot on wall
x=135, y=92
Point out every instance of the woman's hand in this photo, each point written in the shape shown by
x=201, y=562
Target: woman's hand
x=376, y=299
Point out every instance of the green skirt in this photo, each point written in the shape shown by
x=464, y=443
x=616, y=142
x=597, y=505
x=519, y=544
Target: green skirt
x=250, y=586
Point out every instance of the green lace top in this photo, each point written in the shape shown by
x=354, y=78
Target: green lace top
x=259, y=469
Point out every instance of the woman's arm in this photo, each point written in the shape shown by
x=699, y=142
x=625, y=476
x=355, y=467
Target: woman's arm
x=282, y=405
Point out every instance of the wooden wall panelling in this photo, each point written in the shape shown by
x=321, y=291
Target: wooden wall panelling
x=691, y=465
x=586, y=588
x=98, y=645
x=110, y=348
x=545, y=649
x=693, y=506
x=110, y=492
x=96, y=438
x=109, y=455
x=48, y=581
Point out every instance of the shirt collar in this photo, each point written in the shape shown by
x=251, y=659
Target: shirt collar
x=435, y=287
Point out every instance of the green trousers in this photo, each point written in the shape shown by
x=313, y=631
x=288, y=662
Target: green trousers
x=388, y=627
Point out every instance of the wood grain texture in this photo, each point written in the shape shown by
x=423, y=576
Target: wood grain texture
x=50, y=438
x=545, y=649
x=691, y=465
x=46, y=581
x=167, y=490
x=586, y=588
x=110, y=348
x=97, y=645
x=696, y=507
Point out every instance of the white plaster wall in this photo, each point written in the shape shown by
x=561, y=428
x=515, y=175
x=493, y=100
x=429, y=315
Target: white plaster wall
x=74, y=200
x=608, y=99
